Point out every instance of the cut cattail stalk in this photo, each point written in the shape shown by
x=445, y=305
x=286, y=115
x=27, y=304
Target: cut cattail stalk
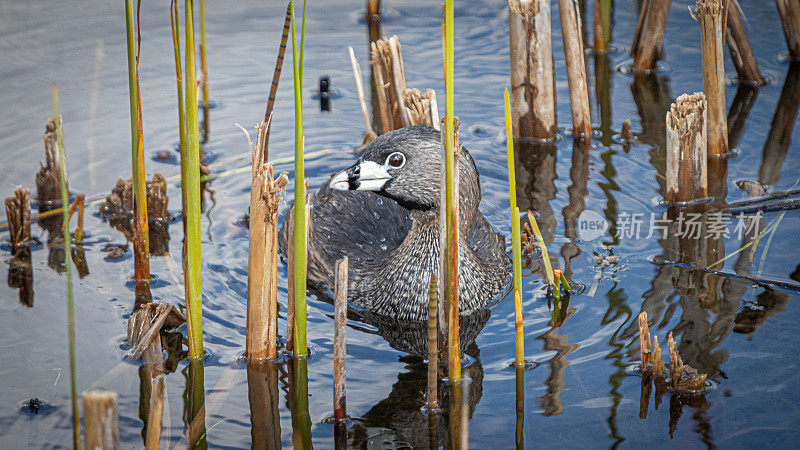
x=265, y=195
x=370, y=135
x=155, y=414
x=789, y=11
x=421, y=108
x=739, y=46
x=519, y=333
x=18, y=213
x=686, y=149
x=532, y=72
x=576, y=69
x=387, y=61
x=710, y=14
x=646, y=48
x=101, y=419
x=340, y=341
x=644, y=342
x=626, y=130
x=433, y=348
x=47, y=184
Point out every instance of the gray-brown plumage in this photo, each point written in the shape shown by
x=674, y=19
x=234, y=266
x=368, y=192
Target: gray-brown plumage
x=383, y=213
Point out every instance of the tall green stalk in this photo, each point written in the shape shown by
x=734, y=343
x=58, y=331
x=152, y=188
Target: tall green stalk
x=190, y=168
x=62, y=175
x=512, y=192
x=450, y=208
x=173, y=16
x=141, y=234
x=300, y=347
x=203, y=66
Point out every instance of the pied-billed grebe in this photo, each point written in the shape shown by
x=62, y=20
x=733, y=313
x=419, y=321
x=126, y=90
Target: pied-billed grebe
x=383, y=214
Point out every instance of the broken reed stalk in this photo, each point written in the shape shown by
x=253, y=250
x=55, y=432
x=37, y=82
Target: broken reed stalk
x=687, y=177
x=740, y=49
x=421, y=108
x=262, y=293
x=389, y=75
x=711, y=15
x=155, y=414
x=140, y=226
x=682, y=377
x=276, y=75
x=101, y=419
x=602, y=25
x=369, y=135
x=190, y=183
x=18, y=212
x=540, y=241
x=432, y=402
x=340, y=341
x=451, y=199
x=300, y=347
x=576, y=69
x=76, y=430
x=644, y=342
x=532, y=72
x=649, y=37
x=789, y=10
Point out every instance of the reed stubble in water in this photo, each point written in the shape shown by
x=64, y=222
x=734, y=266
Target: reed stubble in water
x=18, y=213
x=739, y=46
x=369, y=133
x=711, y=15
x=340, y=355
x=789, y=11
x=532, y=69
x=101, y=419
x=686, y=149
x=649, y=37
x=576, y=68
x=262, y=276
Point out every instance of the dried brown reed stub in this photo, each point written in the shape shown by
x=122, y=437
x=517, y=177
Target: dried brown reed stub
x=369, y=133
x=340, y=342
x=432, y=401
x=686, y=149
x=118, y=211
x=789, y=10
x=18, y=213
x=389, y=76
x=644, y=343
x=712, y=18
x=682, y=377
x=576, y=69
x=262, y=291
x=739, y=46
x=48, y=187
x=533, y=96
x=649, y=37
x=101, y=419
x=147, y=322
x=422, y=108
x=658, y=365
x=626, y=133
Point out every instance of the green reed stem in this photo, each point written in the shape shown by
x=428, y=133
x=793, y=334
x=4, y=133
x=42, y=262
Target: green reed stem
x=191, y=186
x=300, y=347
x=516, y=240
x=454, y=366
x=62, y=175
x=548, y=269
x=176, y=46
x=203, y=66
x=141, y=234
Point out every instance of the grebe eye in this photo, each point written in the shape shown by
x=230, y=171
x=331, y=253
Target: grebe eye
x=396, y=160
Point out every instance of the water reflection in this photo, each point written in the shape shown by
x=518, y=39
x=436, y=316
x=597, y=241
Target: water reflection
x=20, y=274
x=780, y=134
x=535, y=168
x=551, y=401
x=262, y=393
x=652, y=97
